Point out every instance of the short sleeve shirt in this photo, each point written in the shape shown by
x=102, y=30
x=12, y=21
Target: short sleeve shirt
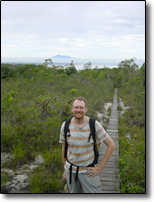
x=80, y=151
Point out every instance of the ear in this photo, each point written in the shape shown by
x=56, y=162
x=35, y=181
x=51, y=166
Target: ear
x=86, y=109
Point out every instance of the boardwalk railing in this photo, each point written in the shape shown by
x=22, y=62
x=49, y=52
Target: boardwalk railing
x=109, y=176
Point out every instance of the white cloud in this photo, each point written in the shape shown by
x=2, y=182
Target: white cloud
x=121, y=21
x=62, y=40
x=87, y=29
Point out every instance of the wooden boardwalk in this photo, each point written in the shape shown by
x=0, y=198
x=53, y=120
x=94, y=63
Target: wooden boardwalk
x=109, y=176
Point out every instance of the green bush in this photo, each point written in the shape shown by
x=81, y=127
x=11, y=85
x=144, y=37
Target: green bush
x=35, y=100
x=44, y=181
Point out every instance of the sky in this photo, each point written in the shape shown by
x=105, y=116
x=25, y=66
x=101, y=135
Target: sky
x=80, y=29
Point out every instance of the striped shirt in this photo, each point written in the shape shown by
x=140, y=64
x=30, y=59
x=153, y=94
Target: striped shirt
x=80, y=152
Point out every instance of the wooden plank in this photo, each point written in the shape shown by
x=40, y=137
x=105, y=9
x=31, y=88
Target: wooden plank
x=109, y=191
x=113, y=131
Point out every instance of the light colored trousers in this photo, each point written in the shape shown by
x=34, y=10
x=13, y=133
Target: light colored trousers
x=84, y=184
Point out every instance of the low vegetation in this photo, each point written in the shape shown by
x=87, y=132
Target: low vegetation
x=35, y=100
x=132, y=122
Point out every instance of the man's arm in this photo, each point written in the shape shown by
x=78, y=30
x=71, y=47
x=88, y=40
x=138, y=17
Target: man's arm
x=63, y=150
x=64, y=160
x=110, y=147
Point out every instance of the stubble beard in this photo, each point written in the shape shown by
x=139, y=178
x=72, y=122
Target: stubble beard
x=79, y=116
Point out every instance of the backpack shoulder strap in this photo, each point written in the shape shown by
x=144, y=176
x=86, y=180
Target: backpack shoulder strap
x=93, y=133
x=66, y=129
x=92, y=128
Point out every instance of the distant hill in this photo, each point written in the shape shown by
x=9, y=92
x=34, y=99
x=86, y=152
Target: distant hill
x=61, y=57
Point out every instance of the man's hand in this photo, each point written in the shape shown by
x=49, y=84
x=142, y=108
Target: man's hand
x=93, y=171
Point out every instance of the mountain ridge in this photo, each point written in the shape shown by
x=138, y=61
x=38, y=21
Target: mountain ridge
x=62, y=56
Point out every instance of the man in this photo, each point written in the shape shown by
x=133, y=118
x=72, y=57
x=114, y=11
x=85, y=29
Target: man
x=80, y=152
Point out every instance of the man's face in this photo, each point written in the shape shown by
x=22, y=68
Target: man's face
x=79, y=109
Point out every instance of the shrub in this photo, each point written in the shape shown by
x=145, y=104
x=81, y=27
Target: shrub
x=73, y=91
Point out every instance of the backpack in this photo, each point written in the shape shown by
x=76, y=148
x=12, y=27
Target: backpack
x=92, y=133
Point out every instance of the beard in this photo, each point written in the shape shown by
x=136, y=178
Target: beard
x=79, y=115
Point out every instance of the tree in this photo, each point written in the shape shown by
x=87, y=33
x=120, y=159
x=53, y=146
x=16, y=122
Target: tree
x=4, y=72
x=130, y=64
x=48, y=61
x=142, y=72
x=71, y=69
x=87, y=66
